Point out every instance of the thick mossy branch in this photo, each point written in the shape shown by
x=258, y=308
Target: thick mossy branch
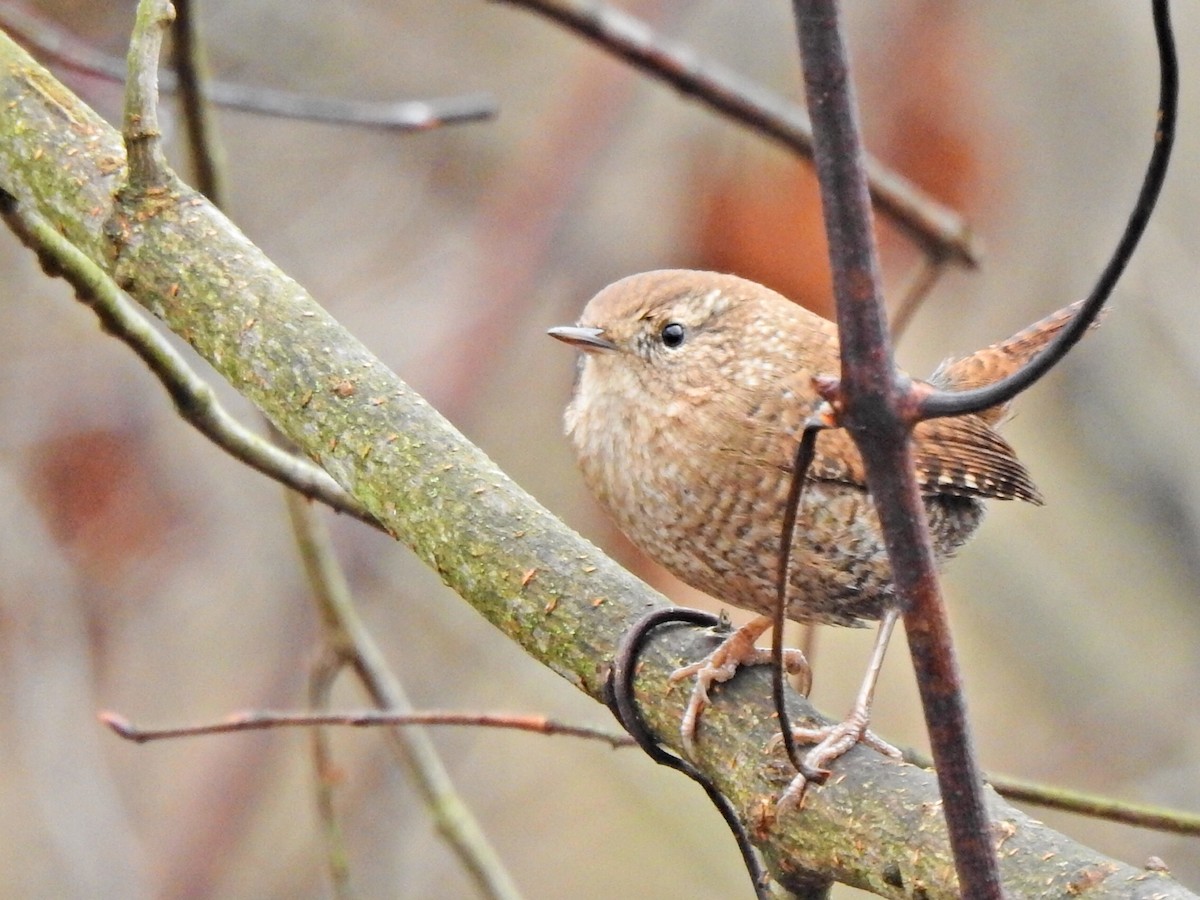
x=876, y=823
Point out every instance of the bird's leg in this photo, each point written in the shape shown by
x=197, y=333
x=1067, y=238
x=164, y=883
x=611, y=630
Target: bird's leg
x=738, y=649
x=834, y=740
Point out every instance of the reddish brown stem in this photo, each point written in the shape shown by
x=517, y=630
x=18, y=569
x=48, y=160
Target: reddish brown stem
x=874, y=398
x=267, y=719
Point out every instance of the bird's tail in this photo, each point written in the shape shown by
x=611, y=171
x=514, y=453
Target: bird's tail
x=1002, y=358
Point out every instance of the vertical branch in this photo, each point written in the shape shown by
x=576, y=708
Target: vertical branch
x=191, y=70
x=320, y=686
x=143, y=139
x=872, y=398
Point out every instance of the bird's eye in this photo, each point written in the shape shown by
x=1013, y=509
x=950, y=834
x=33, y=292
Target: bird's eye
x=672, y=334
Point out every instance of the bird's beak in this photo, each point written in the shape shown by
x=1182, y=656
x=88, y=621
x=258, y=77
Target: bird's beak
x=582, y=337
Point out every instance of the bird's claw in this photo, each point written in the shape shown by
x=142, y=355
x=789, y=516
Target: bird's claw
x=832, y=742
x=736, y=650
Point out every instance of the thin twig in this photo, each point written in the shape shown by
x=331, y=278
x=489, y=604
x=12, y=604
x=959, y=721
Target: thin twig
x=193, y=397
x=869, y=408
x=320, y=684
x=267, y=719
x=1082, y=803
x=805, y=451
x=934, y=227
x=920, y=282
x=191, y=66
x=143, y=139
x=52, y=42
x=954, y=403
x=1097, y=807
x=350, y=641
x=622, y=700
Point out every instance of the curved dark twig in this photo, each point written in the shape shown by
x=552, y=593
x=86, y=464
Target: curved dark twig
x=805, y=451
x=623, y=703
x=954, y=403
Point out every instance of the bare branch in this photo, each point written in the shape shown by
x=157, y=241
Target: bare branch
x=268, y=719
x=193, y=397
x=937, y=229
x=190, y=64
x=143, y=138
x=1141, y=815
x=320, y=684
x=870, y=403
x=53, y=43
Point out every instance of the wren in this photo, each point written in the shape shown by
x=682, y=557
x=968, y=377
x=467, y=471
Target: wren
x=691, y=396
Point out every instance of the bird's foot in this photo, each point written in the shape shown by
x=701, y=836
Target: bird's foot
x=832, y=742
x=738, y=649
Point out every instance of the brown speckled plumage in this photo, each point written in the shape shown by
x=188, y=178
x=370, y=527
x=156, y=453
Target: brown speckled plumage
x=689, y=447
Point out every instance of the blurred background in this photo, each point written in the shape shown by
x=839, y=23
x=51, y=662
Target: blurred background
x=144, y=571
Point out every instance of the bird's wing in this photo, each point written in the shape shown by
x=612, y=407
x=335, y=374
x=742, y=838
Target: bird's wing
x=961, y=456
